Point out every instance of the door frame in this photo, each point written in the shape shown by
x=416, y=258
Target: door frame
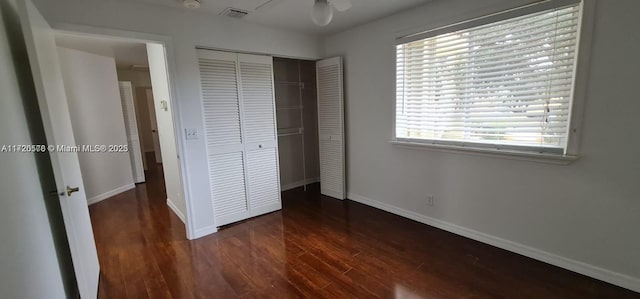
x=166, y=41
x=153, y=122
x=132, y=155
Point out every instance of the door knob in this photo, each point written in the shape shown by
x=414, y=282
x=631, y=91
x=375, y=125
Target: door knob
x=71, y=190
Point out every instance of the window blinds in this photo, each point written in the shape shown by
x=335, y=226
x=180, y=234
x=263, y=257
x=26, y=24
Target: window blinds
x=504, y=84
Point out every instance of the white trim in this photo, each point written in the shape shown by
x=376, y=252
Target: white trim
x=201, y=232
x=299, y=183
x=581, y=77
x=622, y=280
x=116, y=191
x=104, y=32
x=175, y=209
x=200, y=47
x=548, y=158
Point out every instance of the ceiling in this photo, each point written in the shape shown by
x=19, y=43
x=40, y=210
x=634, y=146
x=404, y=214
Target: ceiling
x=126, y=53
x=295, y=14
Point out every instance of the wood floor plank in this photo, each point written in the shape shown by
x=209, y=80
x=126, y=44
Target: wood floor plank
x=315, y=247
x=133, y=271
x=227, y=272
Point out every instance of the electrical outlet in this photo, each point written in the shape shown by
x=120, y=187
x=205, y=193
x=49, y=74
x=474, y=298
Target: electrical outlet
x=430, y=200
x=191, y=134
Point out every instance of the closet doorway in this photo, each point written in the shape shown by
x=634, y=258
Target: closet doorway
x=271, y=124
x=297, y=122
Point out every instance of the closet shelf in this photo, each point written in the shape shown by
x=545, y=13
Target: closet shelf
x=288, y=83
x=290, y=131
x=289, y=107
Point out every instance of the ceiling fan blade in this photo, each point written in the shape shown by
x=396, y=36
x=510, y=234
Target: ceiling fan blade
x=341, y=5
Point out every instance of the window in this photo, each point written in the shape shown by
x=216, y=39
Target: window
x=505, y=83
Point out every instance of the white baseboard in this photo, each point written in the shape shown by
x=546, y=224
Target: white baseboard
x=176, y=210
x=103, y=196
x=299, y=183
x=201, y=232
x=139, y=179
x=622, y=280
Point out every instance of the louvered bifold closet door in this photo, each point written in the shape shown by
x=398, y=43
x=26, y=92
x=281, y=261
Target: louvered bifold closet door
x=221, y=107
x=259, y=123
x=331, y=127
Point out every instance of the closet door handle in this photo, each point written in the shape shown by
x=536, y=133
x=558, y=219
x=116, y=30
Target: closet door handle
x=259, y=145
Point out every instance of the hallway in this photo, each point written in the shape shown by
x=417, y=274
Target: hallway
x=126, y=228
x=314, y=247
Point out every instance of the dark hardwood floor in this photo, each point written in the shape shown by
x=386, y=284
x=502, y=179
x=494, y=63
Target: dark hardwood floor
x=315, y=247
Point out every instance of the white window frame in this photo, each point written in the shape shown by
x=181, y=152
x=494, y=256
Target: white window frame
x=571, y=152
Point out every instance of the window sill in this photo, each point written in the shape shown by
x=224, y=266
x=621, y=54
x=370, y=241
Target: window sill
x=548, y=158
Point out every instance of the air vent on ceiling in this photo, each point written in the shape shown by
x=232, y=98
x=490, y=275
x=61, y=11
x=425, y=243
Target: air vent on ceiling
x=234, y=13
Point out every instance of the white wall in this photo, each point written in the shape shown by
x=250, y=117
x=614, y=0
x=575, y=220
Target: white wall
x=30, y=225
x=92, y=90
x=165, y=121
x=587, y=212
x=187, y=30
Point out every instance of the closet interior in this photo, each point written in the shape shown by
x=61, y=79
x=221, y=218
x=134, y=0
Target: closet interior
x=297, y=122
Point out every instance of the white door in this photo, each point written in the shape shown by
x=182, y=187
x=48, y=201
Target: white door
x=240, y=128
x=154, y=125
x=331, y=127
x=131, y=126
x=45, y=67
x=260, y=137
x=223, y=134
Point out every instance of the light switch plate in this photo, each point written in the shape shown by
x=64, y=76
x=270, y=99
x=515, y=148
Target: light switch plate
x=191, y=134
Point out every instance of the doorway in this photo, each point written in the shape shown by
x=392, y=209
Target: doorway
x=119, y=98
x=297, y=121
